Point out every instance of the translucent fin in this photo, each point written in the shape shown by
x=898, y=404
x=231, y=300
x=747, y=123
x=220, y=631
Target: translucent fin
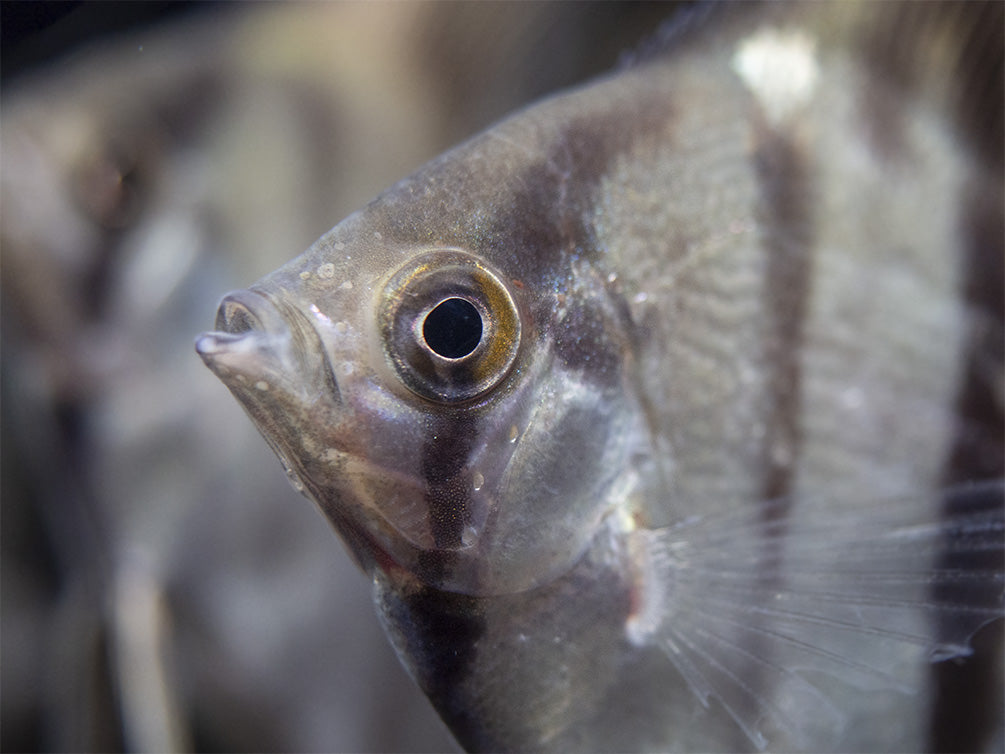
x=765, y=608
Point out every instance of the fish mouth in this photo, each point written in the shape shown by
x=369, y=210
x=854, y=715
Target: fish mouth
x=247, y=324
x=267, y=345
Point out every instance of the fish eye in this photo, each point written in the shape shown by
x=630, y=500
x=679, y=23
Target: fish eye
x=449, y=326
x=453, y=328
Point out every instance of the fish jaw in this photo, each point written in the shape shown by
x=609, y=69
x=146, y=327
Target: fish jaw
x=269, y=356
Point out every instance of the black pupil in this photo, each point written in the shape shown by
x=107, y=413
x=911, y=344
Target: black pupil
x=453, y=328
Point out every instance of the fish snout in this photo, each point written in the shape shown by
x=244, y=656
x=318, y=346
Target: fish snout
x=251, y=339
x=267, y=344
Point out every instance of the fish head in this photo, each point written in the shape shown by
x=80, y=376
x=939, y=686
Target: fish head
x=452, y=403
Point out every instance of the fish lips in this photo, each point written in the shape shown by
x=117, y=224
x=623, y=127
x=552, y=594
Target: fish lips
x=261, y=345
x=267, y=354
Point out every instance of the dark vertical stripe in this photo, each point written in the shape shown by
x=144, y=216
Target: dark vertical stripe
x=787, y=220
x=543, y=225
x=980, y=110
x=438, y=633
x=445, y=458
x=968, y=695
x=545, y=221
x=911, y=48
x=908, y=46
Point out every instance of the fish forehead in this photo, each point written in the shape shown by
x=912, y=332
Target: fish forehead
x=493, y=194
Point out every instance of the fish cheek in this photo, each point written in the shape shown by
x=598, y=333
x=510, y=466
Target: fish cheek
x=556, y=487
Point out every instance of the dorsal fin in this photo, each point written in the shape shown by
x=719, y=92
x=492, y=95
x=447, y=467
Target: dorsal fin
x=953, y=50
x=950, y=51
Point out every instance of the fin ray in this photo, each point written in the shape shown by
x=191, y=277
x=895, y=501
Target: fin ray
x=755, y=609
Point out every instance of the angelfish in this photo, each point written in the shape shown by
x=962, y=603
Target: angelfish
x=666, y=414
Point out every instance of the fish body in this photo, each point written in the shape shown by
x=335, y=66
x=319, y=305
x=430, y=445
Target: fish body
x=666, y=413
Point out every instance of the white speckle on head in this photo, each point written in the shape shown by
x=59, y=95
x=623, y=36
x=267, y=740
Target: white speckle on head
x=477, y=480
x=641, y=297
x=341, y=328
x=305, y=274
x=346, y=286
x=326, y=271
x=338, y=246
x=780, y=68
x=346, y=368
x=377, y=235
x=241, y=378
x=262, y=385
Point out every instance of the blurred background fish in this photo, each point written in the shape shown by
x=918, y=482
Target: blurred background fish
x=163, y=587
